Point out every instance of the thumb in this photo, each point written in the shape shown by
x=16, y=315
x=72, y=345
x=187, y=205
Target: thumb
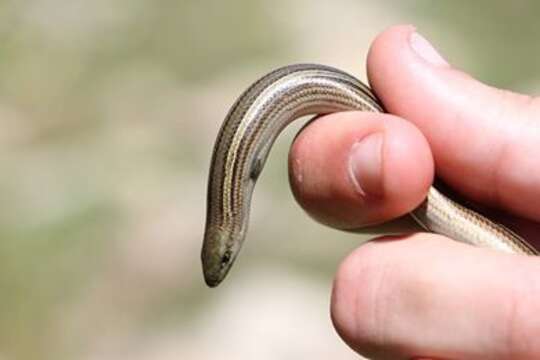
x=485, y=141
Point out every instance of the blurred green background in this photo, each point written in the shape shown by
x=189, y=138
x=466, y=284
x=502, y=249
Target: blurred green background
x=108, y=112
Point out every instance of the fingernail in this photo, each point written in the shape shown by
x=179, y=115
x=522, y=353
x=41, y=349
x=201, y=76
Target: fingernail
x=425, y=50
x=365, y=165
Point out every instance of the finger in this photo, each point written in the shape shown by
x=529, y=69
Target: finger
x=484, y=140
x=352, y=169
x=429, y=297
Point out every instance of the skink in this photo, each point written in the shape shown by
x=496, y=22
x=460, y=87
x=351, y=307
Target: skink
x=247, y=135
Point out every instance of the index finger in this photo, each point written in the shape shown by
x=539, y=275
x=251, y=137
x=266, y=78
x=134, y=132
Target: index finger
x=484, y=140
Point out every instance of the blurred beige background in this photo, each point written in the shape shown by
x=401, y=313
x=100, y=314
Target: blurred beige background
x=108, y=112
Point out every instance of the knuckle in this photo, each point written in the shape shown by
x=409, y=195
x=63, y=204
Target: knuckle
x=521, y=328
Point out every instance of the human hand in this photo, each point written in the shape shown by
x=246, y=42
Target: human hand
x=425, y=296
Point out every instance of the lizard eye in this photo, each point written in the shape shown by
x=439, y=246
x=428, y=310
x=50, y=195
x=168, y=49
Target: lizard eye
x=226, y=258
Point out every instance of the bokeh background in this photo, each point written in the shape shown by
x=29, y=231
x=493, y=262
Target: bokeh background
x=108, y=112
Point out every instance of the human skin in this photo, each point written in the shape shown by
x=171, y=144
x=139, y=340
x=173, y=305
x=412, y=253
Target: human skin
x=423, y=295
